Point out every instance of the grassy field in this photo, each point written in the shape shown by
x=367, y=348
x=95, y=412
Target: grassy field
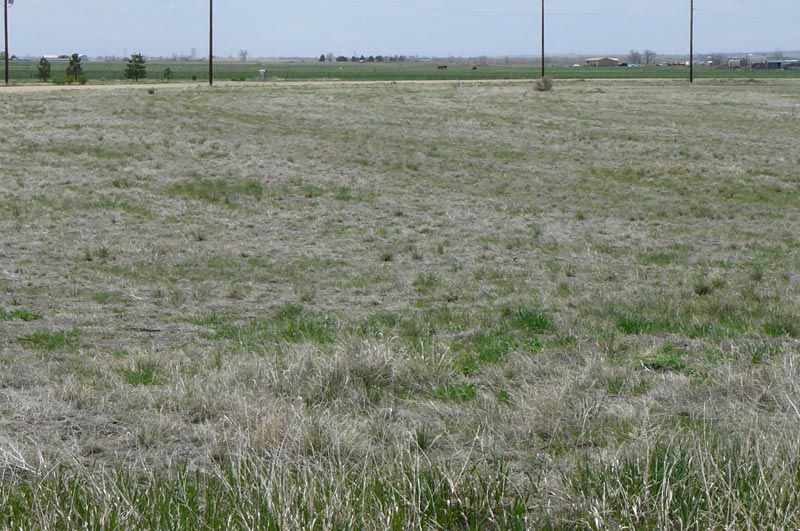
x=401, y=306
x=26, y=71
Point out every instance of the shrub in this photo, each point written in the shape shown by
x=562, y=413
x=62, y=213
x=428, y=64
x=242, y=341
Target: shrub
x=136, y=69
x=43, y=69
x=74, y=68
x=543, y=85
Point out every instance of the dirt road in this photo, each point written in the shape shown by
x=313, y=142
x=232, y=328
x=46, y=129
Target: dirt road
x=22, y=89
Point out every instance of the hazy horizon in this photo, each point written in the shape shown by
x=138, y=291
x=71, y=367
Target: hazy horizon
x=307, y=28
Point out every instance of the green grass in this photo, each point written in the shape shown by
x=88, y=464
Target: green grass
x=342, y=306
x=721, y=480
x=184, y=71
x=482, y=349
x=531, y=321
x=783, y=325
x=52, y=341
x=219, y=191
x=667, y=359
x=142, y=373
x=290, y=323
x=251, y=495
x=465, y=392
x=22, y=315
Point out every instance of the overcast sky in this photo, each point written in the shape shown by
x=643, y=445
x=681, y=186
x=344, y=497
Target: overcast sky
x=273, y=28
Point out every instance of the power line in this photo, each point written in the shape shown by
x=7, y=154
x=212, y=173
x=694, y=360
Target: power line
x=749, y=17
x=509, y=12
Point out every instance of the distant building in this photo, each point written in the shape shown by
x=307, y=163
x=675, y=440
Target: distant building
x=602, y=61
x=734, y=63
x=782, y=64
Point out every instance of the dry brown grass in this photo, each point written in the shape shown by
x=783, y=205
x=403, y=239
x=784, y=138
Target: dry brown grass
x=319, y=277
x=544, y=84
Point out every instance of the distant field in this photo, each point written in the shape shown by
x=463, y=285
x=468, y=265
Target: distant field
x=182, y=71
x=408, y=306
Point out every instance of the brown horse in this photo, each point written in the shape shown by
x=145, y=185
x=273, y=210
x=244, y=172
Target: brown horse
x=441, y=67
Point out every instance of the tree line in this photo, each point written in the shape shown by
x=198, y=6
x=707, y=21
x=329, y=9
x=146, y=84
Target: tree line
x=330, y=58
x=637, y=58
x=135, y=69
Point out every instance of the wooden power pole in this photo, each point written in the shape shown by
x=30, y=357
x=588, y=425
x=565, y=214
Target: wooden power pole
x=691, y=41
x=5, y=22
x=210, y=42
x=542, y=38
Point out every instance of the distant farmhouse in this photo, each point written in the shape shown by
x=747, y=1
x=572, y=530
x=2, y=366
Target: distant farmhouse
x=602, y=61
x=762, y=63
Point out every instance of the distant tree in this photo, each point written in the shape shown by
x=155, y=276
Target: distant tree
x=379, y=58
x=371, y=59
x=74, y=67
x=362, y=59
x=634, y=57
x=243, y=55
x=43, y=69
x=354, y=59
x=322, y=58
x=341, y=59
x=648, y=56
x=167, y=74
x=330, y=57
x=135, y=69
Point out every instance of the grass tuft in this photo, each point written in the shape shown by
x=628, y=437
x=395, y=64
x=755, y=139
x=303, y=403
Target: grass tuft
x=22, y=315
x=52, y=341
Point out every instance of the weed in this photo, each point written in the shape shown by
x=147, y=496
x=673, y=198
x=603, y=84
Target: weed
x=544, y=84
x=143, y=372
x=423, y=439
x=531, y=320
x=482, y=349
x=666, y=361
x=707, y=286
x=22, y=315
x=219, y=191
x=290, y=323
x=782, y=325
x=426, y=282
x=52, y=341
x=465, y=392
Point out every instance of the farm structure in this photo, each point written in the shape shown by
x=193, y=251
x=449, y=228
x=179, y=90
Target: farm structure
x=602, y=61
x=776, y=64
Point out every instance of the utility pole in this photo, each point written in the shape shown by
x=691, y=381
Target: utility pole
x=691, y=41
x=542, y=38
x=210, y=42
x=5, y=22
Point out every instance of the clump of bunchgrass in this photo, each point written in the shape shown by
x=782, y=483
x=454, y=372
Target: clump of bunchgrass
x=544, y=84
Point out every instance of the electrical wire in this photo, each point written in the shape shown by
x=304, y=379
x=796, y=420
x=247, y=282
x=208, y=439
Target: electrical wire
x=748, y=16
x=559, y=12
